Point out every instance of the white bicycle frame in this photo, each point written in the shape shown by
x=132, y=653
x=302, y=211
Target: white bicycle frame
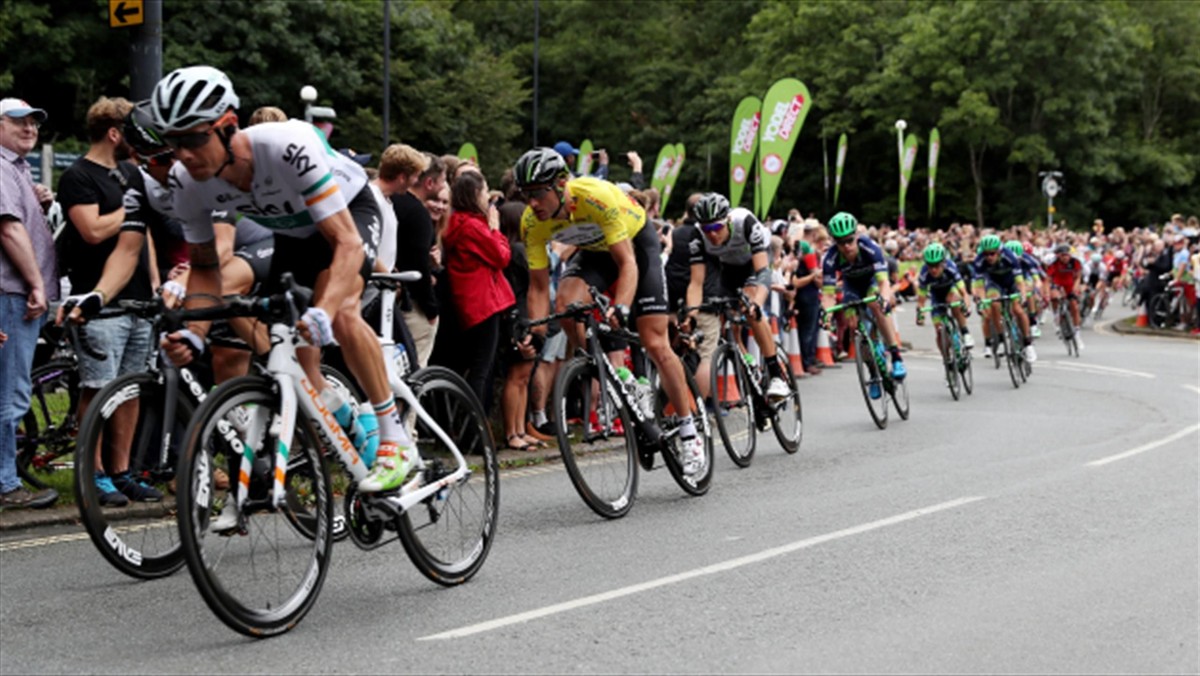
x=297, y=391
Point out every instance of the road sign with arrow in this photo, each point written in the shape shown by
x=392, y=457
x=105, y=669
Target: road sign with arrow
x=122, y=13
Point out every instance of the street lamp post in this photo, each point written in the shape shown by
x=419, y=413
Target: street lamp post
x=901, y=125
x=308, y=94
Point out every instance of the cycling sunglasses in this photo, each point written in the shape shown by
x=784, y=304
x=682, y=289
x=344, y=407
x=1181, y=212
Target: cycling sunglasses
x=535, y=193
x=713, y=227
x=190, y=141
x=843, y=241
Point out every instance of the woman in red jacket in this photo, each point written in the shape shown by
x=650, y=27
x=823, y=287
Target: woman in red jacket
x=475, y=254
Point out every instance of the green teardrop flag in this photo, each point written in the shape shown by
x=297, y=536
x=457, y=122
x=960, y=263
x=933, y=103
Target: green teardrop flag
x=673, y=176
x=584, y=160
x=935, y=145
x=906, y=166
x=843, y=146
x=662, y=167
x=468, y=152
x=784, y=108
x=743, y=141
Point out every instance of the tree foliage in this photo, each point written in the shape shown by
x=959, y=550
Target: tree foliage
x=1105, y=91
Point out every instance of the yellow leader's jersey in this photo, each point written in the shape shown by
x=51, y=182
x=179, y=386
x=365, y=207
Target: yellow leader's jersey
x=599, y=215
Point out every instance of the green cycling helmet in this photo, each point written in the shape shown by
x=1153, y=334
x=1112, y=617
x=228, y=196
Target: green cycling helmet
x=843, y=224
x=1016, y=247
x=989, y=243
x=935, y=253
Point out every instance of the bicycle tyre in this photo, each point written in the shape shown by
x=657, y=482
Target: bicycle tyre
x=868, y=373
x=787, y=416
x=967, y=371
x=1010, y=357
x=49, y=427
x=147, y=545
x=219, y=430
x=452, y=555
x=944, y=338
x=611, y=489
x=728, y=369
x=1023, y=367
x=692, y=485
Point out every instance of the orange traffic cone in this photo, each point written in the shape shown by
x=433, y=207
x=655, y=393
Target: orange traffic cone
x=824, y=352
x=1143, y=319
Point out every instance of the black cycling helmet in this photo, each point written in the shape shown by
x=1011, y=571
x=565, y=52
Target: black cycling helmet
x=140, y=134
x=710, y=208
x=540, y=166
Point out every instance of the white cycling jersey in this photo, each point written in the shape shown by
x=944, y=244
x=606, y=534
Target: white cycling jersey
x=298, y=181
x=160, y=197
x=746, y=237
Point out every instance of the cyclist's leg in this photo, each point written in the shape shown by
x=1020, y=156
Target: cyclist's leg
x=756, y=287
x=710, y=325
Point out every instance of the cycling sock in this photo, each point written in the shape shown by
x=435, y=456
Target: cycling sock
x=391, y=428
x=964, y=330
x=895, y=350
x=687, y=428
x=773, y=367
x=539, y=418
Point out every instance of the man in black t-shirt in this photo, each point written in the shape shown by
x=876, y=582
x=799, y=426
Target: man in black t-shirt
x=104, y=255
x=415, y=237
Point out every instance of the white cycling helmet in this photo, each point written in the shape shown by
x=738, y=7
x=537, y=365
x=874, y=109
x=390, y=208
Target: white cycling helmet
x=190, y=96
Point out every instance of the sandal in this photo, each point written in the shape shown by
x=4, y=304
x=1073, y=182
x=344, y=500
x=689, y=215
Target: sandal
x=532, y=442
x=508, y=443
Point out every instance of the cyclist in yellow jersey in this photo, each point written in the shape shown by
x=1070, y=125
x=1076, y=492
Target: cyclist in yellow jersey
x=616, y=251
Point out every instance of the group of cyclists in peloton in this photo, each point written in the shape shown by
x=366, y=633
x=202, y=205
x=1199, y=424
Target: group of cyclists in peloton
x=283, y=179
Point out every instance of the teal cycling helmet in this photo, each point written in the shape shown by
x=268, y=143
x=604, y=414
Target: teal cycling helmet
x=1016, y=247
x=935, y=253
x=989, y=243
x=843, y=224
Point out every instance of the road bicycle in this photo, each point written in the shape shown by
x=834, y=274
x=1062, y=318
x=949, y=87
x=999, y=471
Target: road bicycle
x=591, y=397
x=46, y=436
x=259, y=557
x=870, y=360
x=956, y=359
x=1166, y=307
x=739, y=388
x=1010, y=338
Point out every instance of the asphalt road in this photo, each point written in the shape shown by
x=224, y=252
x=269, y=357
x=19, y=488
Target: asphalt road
x=1048, y=529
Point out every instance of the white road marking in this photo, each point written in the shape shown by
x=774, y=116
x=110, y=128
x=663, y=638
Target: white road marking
x=1112, y=369
x=1146, y=447
x=1192, y=388
x=722, y=567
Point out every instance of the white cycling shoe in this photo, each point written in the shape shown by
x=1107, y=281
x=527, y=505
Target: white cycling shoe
x=691, y=455
x=777, y=389
x=1029, y=353
x=969, y=341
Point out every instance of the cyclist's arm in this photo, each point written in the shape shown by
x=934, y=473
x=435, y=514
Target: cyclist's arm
x=538, y=297
x=341, y=233
x=695, y=288
x=627, y=272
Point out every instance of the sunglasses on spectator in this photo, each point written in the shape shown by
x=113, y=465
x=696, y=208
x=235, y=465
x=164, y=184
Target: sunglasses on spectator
x=535, y=193
x=713, y=227
x=843, y=241
x=189, y=141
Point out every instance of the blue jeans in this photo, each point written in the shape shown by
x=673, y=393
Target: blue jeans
x=808, y=311
x=16, y=361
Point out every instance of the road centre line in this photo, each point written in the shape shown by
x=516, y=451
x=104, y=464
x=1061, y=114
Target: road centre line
x=721, y=567
x=1145, y=447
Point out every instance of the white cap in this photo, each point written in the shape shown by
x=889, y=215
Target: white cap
x=20, y=108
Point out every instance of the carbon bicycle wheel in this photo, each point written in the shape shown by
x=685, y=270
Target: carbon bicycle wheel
x=966, y=370
x=46, y=435
x=255, y=569
x=140, y=539
x=946, y=340
x=869, y=375
x=602, y=466
x=1010, y=356
x=1023, y=367
x=668, y=420
x=448, y=535
x=733, y=404
x=787, y=415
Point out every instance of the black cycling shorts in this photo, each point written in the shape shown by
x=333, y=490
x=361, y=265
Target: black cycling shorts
x=307, y=257
x=258, y=256
x=599, y=269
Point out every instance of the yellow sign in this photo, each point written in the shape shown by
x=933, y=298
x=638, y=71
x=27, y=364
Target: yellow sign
x=122, y=13
x=1052, y=209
